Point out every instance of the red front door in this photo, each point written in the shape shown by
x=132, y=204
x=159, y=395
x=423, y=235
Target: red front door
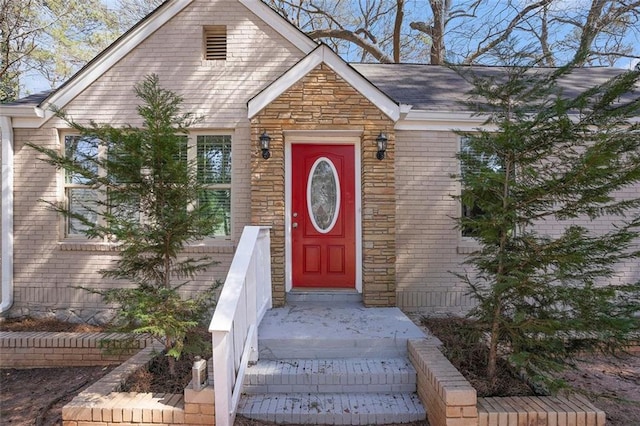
x=323, y=221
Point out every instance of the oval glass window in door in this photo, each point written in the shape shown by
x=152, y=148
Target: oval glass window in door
x=323, y=195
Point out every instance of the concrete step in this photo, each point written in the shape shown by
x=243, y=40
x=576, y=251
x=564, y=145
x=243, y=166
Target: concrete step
x=330, y=376
x=314, y=330
x=330, y=408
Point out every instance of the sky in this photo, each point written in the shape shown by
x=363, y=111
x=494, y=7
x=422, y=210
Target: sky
x=34, y=83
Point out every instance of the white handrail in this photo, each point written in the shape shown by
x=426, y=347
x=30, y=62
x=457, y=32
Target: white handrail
x=245, y=297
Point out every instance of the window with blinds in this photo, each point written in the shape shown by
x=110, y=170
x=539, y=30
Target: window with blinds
x=214, y=172
x=215, y=43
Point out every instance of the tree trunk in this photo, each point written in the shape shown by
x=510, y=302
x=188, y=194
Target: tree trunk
x=589, y=32
x=396, y=30
x=492, y=360
x=170, y=360
x=437, y=32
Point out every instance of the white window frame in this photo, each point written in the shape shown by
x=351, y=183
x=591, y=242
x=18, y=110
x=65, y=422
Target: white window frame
x=64, y=186
x=192, y=153
x=192, y=143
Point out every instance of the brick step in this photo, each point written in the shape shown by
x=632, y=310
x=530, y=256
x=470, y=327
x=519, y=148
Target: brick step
x=330, y=375
x=333, y=408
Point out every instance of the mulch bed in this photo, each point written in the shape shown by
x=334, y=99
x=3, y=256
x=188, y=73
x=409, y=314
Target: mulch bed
x=462, y=346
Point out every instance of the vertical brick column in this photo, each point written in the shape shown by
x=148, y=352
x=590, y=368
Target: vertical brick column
x=449, y=398
x=324, y=101
x=199, y=406
x=267, y=194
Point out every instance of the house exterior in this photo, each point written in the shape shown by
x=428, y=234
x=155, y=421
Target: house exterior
x=385, y=227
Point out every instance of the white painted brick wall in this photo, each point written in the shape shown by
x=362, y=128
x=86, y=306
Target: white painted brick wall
x=426, y=241
x=1, y=213
x=428, y=247
x=46, y=271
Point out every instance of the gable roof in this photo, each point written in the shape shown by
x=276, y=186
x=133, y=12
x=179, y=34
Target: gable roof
x=323, y=54
x=280, y=24
x=416, y=89
x=41, y=104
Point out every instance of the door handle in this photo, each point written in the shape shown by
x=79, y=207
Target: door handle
x=294, y=225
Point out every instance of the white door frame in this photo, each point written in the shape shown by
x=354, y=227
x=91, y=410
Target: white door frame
x=323, y=137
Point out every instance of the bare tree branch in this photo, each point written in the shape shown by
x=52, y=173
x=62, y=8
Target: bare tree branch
x=370, y=48
x=507, y=32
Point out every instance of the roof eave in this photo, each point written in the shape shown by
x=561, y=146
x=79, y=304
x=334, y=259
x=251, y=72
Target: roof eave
x=285, y=28
x=23, y=116
x=442, y=120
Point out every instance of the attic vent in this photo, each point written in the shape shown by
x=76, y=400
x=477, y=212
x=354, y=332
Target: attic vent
x=215, y=43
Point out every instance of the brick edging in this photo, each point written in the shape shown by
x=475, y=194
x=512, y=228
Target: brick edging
x=102, y=403
x=448, y=397
x=46, y=349
x=450, y=400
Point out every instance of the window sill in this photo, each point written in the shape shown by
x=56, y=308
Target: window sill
x=468, y=246
x=216, y=247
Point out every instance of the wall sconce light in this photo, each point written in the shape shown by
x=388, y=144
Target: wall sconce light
x=265, y=140
x=382, y=145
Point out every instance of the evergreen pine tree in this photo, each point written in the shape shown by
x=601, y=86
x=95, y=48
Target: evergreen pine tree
x=147, y=206
x=551, y=159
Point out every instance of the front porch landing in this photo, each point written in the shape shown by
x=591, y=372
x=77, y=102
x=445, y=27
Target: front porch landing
x=321, y=330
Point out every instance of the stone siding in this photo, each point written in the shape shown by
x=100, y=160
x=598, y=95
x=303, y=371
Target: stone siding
x=324, y=101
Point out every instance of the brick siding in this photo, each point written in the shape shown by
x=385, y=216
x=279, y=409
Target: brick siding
x=48, y=270
x=428, y=247
x=410, y=246
x=427, y=244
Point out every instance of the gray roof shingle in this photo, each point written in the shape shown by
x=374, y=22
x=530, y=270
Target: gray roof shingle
x=33, y=99
x=432, y=87
x=439, y=88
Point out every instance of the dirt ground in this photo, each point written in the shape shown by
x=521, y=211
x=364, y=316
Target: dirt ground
x=36, y=396
x=611, y=383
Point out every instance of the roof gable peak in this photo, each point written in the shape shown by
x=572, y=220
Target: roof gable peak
x=323, y=54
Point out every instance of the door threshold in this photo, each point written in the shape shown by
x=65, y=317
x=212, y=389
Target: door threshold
x=324, y=295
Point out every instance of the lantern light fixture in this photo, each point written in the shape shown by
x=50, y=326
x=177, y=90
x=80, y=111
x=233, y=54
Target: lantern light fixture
x=382, y=145
x=265, y=141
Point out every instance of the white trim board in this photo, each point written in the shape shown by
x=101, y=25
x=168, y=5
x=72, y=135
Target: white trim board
x=285, y=28
x=322, y=137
